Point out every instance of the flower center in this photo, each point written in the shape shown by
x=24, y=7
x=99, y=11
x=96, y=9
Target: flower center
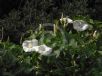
x=30, y=45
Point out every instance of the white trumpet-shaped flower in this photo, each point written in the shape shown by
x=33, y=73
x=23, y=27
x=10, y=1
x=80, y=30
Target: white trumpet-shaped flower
x=80, y=25
x=43, y=50
x=28, y=45
x=69, y=20
x=66, y=20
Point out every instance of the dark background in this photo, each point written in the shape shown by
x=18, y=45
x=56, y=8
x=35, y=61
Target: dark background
x=7, y=5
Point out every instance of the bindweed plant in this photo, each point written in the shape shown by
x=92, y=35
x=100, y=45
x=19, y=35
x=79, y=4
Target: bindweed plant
x=55, y=52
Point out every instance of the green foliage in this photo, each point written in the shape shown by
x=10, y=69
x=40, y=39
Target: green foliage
x=75, y=7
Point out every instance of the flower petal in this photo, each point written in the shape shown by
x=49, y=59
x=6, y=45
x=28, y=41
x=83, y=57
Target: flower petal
x=80, y=25
x=28, y=49
x=44, y=50
x=34, y=42
x=69, y=20
x=66, y=20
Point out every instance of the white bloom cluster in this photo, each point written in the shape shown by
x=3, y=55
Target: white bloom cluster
x=78, y=25
x=32, y=45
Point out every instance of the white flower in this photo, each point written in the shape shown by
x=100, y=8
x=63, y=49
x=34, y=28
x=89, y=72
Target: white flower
x=28, y=45
x=66, y=20
x=43, y=50
x=69, y=20
x=80, y=25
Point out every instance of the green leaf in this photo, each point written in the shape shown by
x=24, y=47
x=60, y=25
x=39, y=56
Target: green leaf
x=57, y=53
x=28, y=60
x=91, y=21
x=100, y=52
x=73, y=43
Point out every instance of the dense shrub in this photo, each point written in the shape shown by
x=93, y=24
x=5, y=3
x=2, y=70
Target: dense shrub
x=74, y=53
